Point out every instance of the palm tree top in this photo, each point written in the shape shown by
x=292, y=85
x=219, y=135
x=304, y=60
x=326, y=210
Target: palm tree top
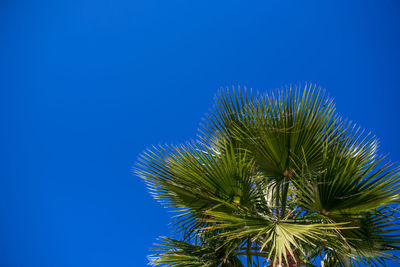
x=278, y=179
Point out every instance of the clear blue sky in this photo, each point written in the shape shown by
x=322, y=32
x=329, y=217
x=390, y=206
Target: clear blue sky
x=87, y=85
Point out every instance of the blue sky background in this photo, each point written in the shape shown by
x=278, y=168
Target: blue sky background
x=85, y=86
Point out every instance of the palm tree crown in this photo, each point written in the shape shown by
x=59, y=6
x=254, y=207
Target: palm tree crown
x=277, y=180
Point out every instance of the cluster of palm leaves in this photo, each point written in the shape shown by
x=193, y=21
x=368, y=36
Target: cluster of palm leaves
x=275, y=180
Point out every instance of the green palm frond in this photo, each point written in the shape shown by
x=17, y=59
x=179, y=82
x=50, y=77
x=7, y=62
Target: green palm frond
x=279, y=237
x=177, y=253
x=275, y=128
x=197, y=177
x=350, y=179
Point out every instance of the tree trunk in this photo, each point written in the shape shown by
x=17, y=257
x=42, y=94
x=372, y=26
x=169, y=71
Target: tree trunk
x=292, y=261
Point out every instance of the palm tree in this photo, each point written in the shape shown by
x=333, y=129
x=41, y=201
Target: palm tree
x=275, y=180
